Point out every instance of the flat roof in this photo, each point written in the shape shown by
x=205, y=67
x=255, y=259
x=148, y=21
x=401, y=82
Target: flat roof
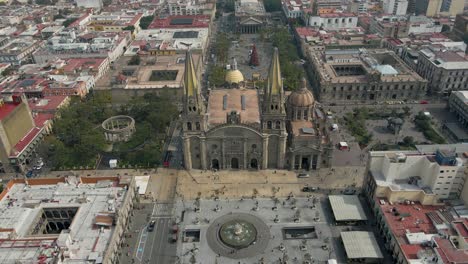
x=361, y=244
x=95, y=200
x=347, y=208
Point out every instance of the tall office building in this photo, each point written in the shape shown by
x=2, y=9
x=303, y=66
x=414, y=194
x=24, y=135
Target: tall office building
x=439, y=7
x=395, y=7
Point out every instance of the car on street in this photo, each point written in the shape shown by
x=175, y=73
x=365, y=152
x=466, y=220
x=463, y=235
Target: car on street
x=151, y=226
x=29, y=174
x=309, y=189
x=303, y=175
x=423, y=102
x=174, y=238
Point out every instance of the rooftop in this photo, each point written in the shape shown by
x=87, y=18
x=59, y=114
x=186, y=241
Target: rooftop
x=86, y=203
x=363, y=63
x=361, y=244
x=197, y=21
x=221, y=102
x=6, y=109
x=347, y=208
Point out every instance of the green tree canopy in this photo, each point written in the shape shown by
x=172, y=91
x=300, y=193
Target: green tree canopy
x=146, y=21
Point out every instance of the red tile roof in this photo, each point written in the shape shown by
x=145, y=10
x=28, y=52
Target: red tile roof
x=41, y=118
x=411, y=251
x=448, y=253
x=306, y=32
x=25, y=141
x=6, y=109
x=403, y=218
x=79, y=64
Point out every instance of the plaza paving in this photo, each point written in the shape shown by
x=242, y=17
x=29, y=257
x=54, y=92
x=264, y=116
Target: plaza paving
x=264, y=183
x=319, y=246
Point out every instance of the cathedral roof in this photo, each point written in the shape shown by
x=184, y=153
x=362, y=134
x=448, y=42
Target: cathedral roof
x=275, y=83
x=223, y=101
x=301, y=98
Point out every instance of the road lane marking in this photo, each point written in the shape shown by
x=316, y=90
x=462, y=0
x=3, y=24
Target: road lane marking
x=141, y=243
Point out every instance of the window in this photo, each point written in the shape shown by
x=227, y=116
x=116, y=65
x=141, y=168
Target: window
x=278, y=125
x=269, y=125
x=441, y=171
x=214, y=146
x=197, y=125
x=254, y=146
x=189, y=126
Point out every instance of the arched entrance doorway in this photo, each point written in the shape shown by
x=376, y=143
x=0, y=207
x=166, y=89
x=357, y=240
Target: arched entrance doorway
x=234, y=163
x=254, y=164
x=215, y=164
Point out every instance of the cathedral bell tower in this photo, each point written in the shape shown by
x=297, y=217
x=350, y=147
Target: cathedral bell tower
x=194, y=107
x=274, y=112
x=274, y=115
x=193, y=117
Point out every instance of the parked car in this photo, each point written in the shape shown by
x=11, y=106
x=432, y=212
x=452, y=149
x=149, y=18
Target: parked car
x=309, y=189
x=423, y=102
x=303, y=175
x=151, y=226
x=174, y=238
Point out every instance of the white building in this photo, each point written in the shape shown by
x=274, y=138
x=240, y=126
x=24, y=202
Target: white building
x=89, y=3
x=423, y=24
x=440, y=172
x=395, y=7
x=65, y=220
x=292, y=8
x=334, y=21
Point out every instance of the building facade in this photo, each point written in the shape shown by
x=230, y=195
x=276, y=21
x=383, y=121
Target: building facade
x=439, y=7
x=334, y=21
x=250, y=16
x=458, y=104
x=350, y=76
x=242, y=128
x=446, y=71
x=395, y=7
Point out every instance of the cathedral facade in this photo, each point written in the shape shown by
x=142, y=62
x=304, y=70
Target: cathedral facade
x=242, y=128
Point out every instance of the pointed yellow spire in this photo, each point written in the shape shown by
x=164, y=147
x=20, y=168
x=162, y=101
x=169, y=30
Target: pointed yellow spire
x=190, y=76
x=275, y=83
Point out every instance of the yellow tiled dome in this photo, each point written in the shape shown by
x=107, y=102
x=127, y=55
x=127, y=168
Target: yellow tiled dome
x=234, y=76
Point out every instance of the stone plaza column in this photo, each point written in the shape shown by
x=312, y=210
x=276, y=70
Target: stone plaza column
x=245, y=154
x=300, y=162
x=265, y=153
x=281, y=151
x=223, y=154
x=187, y=154
x=293, y=161
x=203, y=153
x=310, y=161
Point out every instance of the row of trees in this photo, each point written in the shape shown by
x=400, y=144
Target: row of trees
x=292, y=73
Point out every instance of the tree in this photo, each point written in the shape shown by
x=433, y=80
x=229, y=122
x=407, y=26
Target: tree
x=146, y=21
x=129, y=28
x=272, y=5
x=69, y=21
x=408, y=141
x=254, y=57
x=135, y=60
x=217, y=75
x=445, y=28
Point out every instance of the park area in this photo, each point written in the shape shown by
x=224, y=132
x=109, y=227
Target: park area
x=390, y=128
x=78, y=140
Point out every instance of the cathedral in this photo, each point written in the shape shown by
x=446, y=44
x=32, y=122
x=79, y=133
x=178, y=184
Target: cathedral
x=248, y=128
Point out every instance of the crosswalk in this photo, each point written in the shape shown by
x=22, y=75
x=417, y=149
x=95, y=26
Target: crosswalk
x=162, y=210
